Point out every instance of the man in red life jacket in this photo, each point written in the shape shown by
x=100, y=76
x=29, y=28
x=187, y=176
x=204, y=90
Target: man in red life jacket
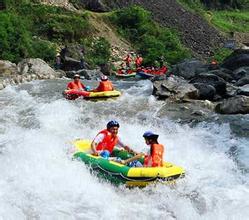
x=76, y=84
x=154, y=158
x=128, y=60
x=104, y=85
x=138, y=61
x=107, y=139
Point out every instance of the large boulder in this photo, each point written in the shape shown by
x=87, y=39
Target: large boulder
x=241, y=72
x=237, y=59
x=95, y=5
x=7, y=68
x=189, y=68
x=224, y=74
x=35, y=66
x=175, y=88
x=210, y=79
x=234, y=105
x=243, y=90
x=243, y=81
x=206, y=92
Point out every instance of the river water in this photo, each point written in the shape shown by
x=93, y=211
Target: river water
x=40, y=181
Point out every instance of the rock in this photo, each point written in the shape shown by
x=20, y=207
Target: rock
x=1, y=86
x=205, y=91
x=241, y=72
x=188, y=69
x=105, y=69
x=7, y=68
x=243, y=81
x=243, y=90
x=210, y=79
x=237, y=59
x=199, y=113
x=222, y=73
x=234, y=105
x=175, y=88
x=86, y=74
x=34, y=66
x=95, y=5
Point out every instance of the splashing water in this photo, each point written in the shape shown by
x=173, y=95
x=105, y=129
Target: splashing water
x=40, y=181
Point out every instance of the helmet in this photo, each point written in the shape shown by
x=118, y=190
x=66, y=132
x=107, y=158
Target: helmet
x=112, y=123
x=150, y=134
x=104, y=78
x=76, y=76
x=88, y=88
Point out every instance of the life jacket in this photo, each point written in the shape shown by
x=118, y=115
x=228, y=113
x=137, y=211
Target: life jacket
x=75, y=85
x=128, y=59
x=105, y=86
x=155, y=159
x=108, y=143
x=138, y=61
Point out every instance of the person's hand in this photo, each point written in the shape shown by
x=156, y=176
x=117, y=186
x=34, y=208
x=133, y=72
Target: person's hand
x=95, y=154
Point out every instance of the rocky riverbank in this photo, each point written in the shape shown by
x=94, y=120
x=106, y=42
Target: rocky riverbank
x=225, y=86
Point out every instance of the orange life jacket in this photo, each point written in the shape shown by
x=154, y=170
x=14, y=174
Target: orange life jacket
x=75, y=85
x=105, y=86
x=108, y=142
x=155, y=159
x=139, y=61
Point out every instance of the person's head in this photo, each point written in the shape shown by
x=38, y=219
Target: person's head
x=104, y=78
x=150, y=137
x=76, y=77
x=113, y=126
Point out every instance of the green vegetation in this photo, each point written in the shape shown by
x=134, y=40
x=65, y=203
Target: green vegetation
x=34, y=30
x=151, y=40
x=231, y=21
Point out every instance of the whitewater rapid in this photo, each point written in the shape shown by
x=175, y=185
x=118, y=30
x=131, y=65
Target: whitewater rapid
x=40, y=181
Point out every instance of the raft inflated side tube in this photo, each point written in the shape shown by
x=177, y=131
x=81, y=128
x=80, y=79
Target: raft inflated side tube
x=74, y=94
x=121, y=174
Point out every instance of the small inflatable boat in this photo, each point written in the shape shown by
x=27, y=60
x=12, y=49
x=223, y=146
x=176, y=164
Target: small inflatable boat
x=74, y=94
x=118, y=173
x=125, y=73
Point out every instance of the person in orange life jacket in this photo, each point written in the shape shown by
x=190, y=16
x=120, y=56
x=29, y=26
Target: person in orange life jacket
x=138, y=61
x=76, y=84
x=128, y=60
x=107, y=139
x=154, y=158
x=104, y=85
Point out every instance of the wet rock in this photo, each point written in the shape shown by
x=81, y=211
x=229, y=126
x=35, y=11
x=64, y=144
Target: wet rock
x=205, y=91
x=188, y=69
x=243, y=81
x=234, y=105
x=1, y=86
x=7, y=68
x=224, y=74
x=175, y=88
x=237, y=59
x=210, y=79
x=243, y=90
x=241, y=72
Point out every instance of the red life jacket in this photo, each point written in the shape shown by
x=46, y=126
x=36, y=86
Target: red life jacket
x=155, y=159
x=108, y=142
x=75, y=85
x=105, y=86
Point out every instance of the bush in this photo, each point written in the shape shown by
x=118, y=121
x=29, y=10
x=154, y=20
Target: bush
x=151, y=40
x=97, y=51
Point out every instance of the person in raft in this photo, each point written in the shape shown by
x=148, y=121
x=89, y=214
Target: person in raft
x=105, y=141
x=104, y=85
x=154, y=157
x=76, y=84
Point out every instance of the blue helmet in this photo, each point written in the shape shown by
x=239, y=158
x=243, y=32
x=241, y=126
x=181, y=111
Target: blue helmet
x=150, y=134
x=105, y=154
x=112, y=123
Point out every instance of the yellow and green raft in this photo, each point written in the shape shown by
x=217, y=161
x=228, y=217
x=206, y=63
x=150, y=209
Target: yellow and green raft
x=121, y=174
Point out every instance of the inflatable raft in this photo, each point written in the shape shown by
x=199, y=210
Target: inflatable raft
x=74, y=94
x=125, y=73
x=118, y=173
x=147, y=73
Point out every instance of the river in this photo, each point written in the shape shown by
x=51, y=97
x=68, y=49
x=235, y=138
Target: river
x=40, y=181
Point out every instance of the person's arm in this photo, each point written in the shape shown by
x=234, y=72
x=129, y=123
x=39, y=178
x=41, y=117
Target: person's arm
x=69, y=86
x=95, y=142
x=121, y=144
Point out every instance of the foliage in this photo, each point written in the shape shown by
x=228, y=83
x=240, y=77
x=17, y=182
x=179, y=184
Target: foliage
x=221, y=54
x=151, y=40
x=97, y=51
